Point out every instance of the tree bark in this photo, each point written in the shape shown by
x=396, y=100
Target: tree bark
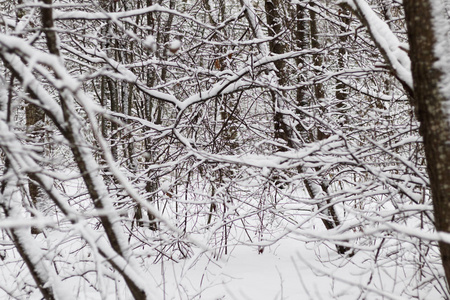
x=430, y=111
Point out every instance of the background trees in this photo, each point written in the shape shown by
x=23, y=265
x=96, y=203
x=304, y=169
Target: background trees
x=176, y=129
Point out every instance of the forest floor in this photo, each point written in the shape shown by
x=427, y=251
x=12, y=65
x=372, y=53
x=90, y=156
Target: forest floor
x=287, y=270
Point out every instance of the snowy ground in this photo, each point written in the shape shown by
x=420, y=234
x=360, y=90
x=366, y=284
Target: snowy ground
x=281, y=272
x=287, y=270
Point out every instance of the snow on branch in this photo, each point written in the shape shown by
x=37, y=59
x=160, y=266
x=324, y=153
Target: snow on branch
x=393, y=51
x=83, y=15
x=441, y=26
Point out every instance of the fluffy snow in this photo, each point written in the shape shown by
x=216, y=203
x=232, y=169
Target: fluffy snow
x=441, y=24
x=285, y=271
x=391, y=48
x=174, y=46
x=150, y=43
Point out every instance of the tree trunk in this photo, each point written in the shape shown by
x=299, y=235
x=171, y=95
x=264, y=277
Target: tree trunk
x=430, y=105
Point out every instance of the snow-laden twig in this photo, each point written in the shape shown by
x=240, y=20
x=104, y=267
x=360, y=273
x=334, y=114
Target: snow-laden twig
x=68, y=121
x=22, y=162
x=324, y=272
x=11, y=200
x=393, y=51
x=84, y=15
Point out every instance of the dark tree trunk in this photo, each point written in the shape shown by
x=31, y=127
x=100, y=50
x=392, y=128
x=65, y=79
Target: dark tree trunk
x=430, y=111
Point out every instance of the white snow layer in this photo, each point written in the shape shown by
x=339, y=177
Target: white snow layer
x=385, y=39
x=441, y=24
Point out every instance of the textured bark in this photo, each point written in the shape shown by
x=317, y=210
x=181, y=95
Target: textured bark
x=47, y=26
x=429, y=102
x=319, y=91
x=276, y=46
x=300, y=41
x=341, y=89
x=33, y=115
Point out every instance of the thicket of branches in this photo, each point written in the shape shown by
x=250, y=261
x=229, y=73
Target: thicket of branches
x=134, y=132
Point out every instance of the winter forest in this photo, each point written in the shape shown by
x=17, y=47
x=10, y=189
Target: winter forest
x=224, y=149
